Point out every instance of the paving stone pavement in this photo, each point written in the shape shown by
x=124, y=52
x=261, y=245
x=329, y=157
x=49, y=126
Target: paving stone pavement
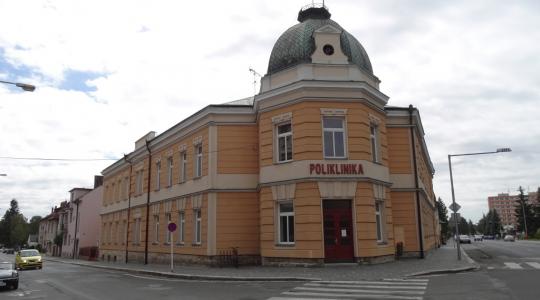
x=441, y=260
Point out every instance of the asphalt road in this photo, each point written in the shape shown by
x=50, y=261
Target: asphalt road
x=508, y=270
x=60, y=281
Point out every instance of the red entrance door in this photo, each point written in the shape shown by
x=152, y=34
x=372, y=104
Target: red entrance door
x=338, y=231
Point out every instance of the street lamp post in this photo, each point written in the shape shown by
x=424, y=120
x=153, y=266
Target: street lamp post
x=456, y=221
x=26, y=87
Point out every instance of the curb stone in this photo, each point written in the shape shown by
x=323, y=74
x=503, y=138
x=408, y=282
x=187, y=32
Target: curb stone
x=474, y=267
x=186, y=276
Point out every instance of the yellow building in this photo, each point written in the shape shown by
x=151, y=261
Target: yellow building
x=315, y=168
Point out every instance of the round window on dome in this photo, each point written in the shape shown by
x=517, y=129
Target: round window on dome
x=328, y=49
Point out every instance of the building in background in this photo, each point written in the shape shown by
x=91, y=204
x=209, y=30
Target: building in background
x=51, y=230
x=505, y=205
x=315, y=168
x=82, y=218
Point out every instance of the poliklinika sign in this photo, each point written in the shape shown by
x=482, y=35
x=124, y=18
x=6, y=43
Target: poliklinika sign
x=336, y=169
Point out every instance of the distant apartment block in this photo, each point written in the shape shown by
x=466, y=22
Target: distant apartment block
x=505, y=205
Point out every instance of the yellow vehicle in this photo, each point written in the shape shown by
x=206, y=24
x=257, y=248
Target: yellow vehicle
x=29, y=258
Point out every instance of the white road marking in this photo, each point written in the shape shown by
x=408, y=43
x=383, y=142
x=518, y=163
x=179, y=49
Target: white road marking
x=336, y=290
x=534, y=264
x=355, y=296
x=406, y=287
x=513, y=266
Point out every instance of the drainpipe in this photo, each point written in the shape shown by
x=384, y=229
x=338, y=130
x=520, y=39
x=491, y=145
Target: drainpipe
x=75, y=243
x=129, y=205
x=416, y=185
x=147, y=202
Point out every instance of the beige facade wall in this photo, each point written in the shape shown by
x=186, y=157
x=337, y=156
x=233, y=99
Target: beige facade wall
x=399, y=145
x=237, y=149
x=237, y=223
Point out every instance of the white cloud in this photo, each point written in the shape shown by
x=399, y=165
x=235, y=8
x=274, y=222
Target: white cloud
x=471, y=67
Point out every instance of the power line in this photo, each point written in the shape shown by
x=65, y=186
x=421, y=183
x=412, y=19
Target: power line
x=57, y=159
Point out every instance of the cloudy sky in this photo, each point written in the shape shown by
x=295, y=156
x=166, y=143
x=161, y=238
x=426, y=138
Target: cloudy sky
x=107, y=72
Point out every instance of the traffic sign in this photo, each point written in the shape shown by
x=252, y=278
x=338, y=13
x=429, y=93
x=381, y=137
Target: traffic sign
x=171, y=227
x=455, y=216
x=454, y=207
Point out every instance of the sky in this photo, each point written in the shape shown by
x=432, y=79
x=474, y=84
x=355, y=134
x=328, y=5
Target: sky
x=108, y=72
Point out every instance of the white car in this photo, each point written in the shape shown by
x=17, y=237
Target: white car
x=8, y=275
x=509, y=238
x=464, y=239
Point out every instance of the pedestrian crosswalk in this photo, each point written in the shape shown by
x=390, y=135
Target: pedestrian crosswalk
x=519, y=266
x=406, y=289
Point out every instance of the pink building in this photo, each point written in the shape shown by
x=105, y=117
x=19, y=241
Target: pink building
x=81, y=236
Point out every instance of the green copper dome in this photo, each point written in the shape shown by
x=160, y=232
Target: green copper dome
x=296, y=45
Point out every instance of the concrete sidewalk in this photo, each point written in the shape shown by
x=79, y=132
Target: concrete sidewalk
x=442, y=260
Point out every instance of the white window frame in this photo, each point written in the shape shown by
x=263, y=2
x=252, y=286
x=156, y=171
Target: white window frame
x=379, y=220
x=158, y=175
x=198, y=160
x=284, y=136
x=183, y=166
x=197, y=226
x=334, y=131
x=170, y=166
x=280, y=239
x=181, y=227
x=168, y=234
x=156, y=228
x=374, y=139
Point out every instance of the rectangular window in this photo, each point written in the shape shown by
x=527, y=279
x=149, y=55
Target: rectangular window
x=117, y=233
x=183, y=166
x=284, y=142
x=158, y=175
x=124, y=233
x=168, y=233
x=126, y=188
x=169, y=171
x=111, y=233
x=197, y=226
x=198, y=161
x=373, y=129
x=379, y=207
x=286, y=222
x=139, y=182
x=156, y=229
x=113, y=193
x=334, y=137
x=137, y=231
x=181, y=226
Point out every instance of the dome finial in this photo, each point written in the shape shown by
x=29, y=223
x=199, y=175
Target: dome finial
x=313, y=11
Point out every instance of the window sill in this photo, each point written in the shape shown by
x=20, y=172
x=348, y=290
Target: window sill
x=283, y=162
x=382, y=243
x=335, y=158
x=155, y=243
x=197, y=177
x=281, y=245
x=135, y=244
x=180, y=244
x=196, y=244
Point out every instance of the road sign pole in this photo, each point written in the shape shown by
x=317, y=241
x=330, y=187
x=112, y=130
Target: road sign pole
x=456, y=238
x=172, y=253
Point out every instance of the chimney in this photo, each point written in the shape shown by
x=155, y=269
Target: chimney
x=98, y=181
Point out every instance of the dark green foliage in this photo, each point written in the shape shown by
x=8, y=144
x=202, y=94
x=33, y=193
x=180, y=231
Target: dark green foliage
x=13, y=227
x=525, y=214
x=443, y=218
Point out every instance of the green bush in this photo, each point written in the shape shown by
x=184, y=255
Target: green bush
x=537, y=235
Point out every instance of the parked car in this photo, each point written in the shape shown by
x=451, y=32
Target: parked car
x=478, y=237
x=29, y=258
x=9, y=251
x=489, y=237
x=464, y=239
x=509, y=238
x=8, y=275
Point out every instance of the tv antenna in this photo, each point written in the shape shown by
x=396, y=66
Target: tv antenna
x=255, y=74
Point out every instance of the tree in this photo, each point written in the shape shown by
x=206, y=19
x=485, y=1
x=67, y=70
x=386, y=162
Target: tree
x=481, y=226
x=33, y=225
x=490, y=224
x=13, y=226
x=524, y=213
x=472, y=229
x=443, y=218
